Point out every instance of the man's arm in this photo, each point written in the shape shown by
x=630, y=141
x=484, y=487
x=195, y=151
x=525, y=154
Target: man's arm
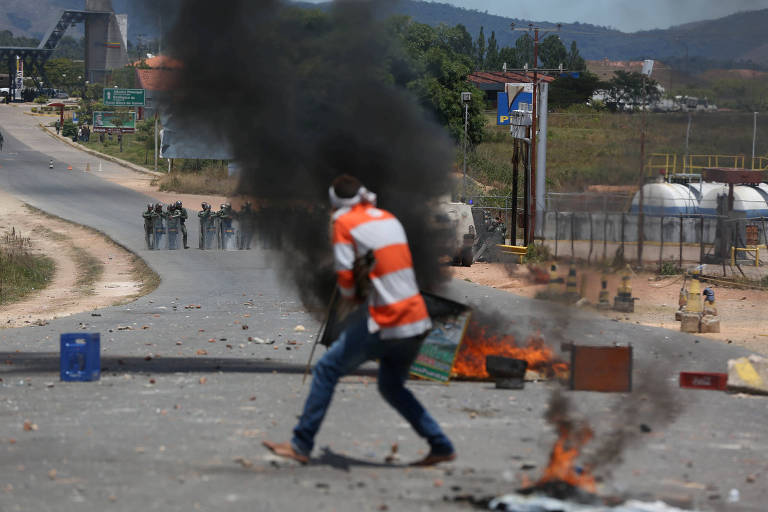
x=344, y=259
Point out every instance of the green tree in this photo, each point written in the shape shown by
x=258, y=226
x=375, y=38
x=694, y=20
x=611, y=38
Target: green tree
x=574, y=61
x=480, y=50
x=508, y=56
x=625, y=91
x=65, y=73
x=552, y=52
x=567, y=90
x=492, y=54
x=524, y=51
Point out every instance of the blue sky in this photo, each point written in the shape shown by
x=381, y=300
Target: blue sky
x=625, y=15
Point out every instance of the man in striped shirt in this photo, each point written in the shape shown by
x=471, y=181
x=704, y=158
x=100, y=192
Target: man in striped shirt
x=390, y=329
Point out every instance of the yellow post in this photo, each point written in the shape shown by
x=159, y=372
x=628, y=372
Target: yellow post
x=553, y=279
x=694, y=295
x=757, y=255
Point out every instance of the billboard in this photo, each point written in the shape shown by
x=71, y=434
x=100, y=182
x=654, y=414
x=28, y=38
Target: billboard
x=515, y=104
x=114, y=122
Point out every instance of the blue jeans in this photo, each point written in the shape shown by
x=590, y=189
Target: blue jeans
x=354, y=346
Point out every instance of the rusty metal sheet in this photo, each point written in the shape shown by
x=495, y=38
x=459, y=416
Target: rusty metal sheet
x=607, y=369
x=730, y=175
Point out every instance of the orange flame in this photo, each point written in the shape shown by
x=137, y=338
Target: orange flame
x=470, y=359
x=562, y=458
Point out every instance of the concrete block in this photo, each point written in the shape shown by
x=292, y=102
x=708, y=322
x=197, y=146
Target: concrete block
x=678, y=314
x=623, y=305
x=710, y=310
x=748, y=374
x=710, y=323
x=689, y=322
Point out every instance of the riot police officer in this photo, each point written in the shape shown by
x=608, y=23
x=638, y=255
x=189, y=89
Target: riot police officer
x=177, y=211
x=147, y=214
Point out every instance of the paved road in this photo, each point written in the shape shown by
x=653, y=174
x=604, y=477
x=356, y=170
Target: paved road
x=161, y=429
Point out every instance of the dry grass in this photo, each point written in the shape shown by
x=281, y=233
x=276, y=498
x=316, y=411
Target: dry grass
x=21, y=273
x=209, y=180
x=588, y=148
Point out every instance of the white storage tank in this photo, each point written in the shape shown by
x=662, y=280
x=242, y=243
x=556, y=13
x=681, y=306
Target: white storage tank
x=665, y=199
x=746, y=198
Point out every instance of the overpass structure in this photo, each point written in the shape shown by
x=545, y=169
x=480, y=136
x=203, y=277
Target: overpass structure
x=106, y=42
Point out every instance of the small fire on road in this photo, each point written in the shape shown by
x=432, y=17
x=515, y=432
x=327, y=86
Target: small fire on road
x=478, y=343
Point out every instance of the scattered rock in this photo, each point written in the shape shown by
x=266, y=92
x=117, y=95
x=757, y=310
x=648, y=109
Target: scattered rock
x=52, y=474
x=644, y=428
x=212, y=340
x=299, y=328
x=201, y=352
x=244, y=327
x=203, y=380
x=244, y=462
x=124, y=328
x=29, y=426
x=260, y=341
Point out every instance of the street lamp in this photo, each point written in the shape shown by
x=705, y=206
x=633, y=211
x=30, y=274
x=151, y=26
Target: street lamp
x=466, y=99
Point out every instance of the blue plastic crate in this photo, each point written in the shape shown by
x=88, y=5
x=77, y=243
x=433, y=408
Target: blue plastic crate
x=80, y=357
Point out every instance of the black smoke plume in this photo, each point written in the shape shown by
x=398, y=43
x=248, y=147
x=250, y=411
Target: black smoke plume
x=302, y=97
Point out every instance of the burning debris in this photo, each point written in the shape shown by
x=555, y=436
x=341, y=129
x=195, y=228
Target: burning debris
x=573, y=434
x=480, y=342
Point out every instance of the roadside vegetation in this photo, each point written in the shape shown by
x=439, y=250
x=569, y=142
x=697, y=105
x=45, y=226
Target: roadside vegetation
x=207, y=179
x=589, y=147
x=21, y=273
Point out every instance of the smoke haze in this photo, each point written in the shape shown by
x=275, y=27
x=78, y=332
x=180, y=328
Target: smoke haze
x=303, y=97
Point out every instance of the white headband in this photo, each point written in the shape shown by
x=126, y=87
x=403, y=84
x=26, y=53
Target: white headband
x=363, y=195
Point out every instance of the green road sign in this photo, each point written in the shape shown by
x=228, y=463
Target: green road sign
x=124, y=97
x=114, y=122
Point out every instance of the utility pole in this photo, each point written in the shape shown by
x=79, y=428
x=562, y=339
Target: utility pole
x=466, y=98
x=687, y=136
x=641, y=214
x=531, y=168
x=646, y=72
x=754, y=138
x=155, y=140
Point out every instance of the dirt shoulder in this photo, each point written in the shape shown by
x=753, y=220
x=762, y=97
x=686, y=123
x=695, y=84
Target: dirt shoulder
x=91, y=271
x=744, y=321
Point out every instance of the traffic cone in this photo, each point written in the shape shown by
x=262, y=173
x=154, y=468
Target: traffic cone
x=88, y=167
x=623, y=301
x=603, y=300
x=571, y=284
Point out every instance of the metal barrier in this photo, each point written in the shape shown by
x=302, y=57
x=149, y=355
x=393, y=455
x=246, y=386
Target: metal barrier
x=688, y=164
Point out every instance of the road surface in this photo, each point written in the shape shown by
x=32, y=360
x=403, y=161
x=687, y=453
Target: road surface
x=177, y=419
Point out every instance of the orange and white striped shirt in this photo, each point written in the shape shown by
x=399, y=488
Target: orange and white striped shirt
x=396, y=307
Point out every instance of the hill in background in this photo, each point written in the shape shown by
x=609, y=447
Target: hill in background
x=741, y=36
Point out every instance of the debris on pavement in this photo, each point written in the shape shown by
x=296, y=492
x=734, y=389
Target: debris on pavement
x=299, y=328
x=748, y=375
x=520, y=503
x=260, y=341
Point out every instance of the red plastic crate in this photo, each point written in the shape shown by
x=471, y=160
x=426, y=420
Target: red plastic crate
x=704, y=380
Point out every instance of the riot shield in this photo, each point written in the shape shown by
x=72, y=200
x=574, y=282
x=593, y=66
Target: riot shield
x=208, y=233
x=159, y=231
x=174, y=229
x=245, y=233
x=148, y=234
x=227, y=234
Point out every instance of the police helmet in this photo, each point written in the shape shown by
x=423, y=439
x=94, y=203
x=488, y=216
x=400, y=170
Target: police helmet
x=206, y=206
x=177, y=204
